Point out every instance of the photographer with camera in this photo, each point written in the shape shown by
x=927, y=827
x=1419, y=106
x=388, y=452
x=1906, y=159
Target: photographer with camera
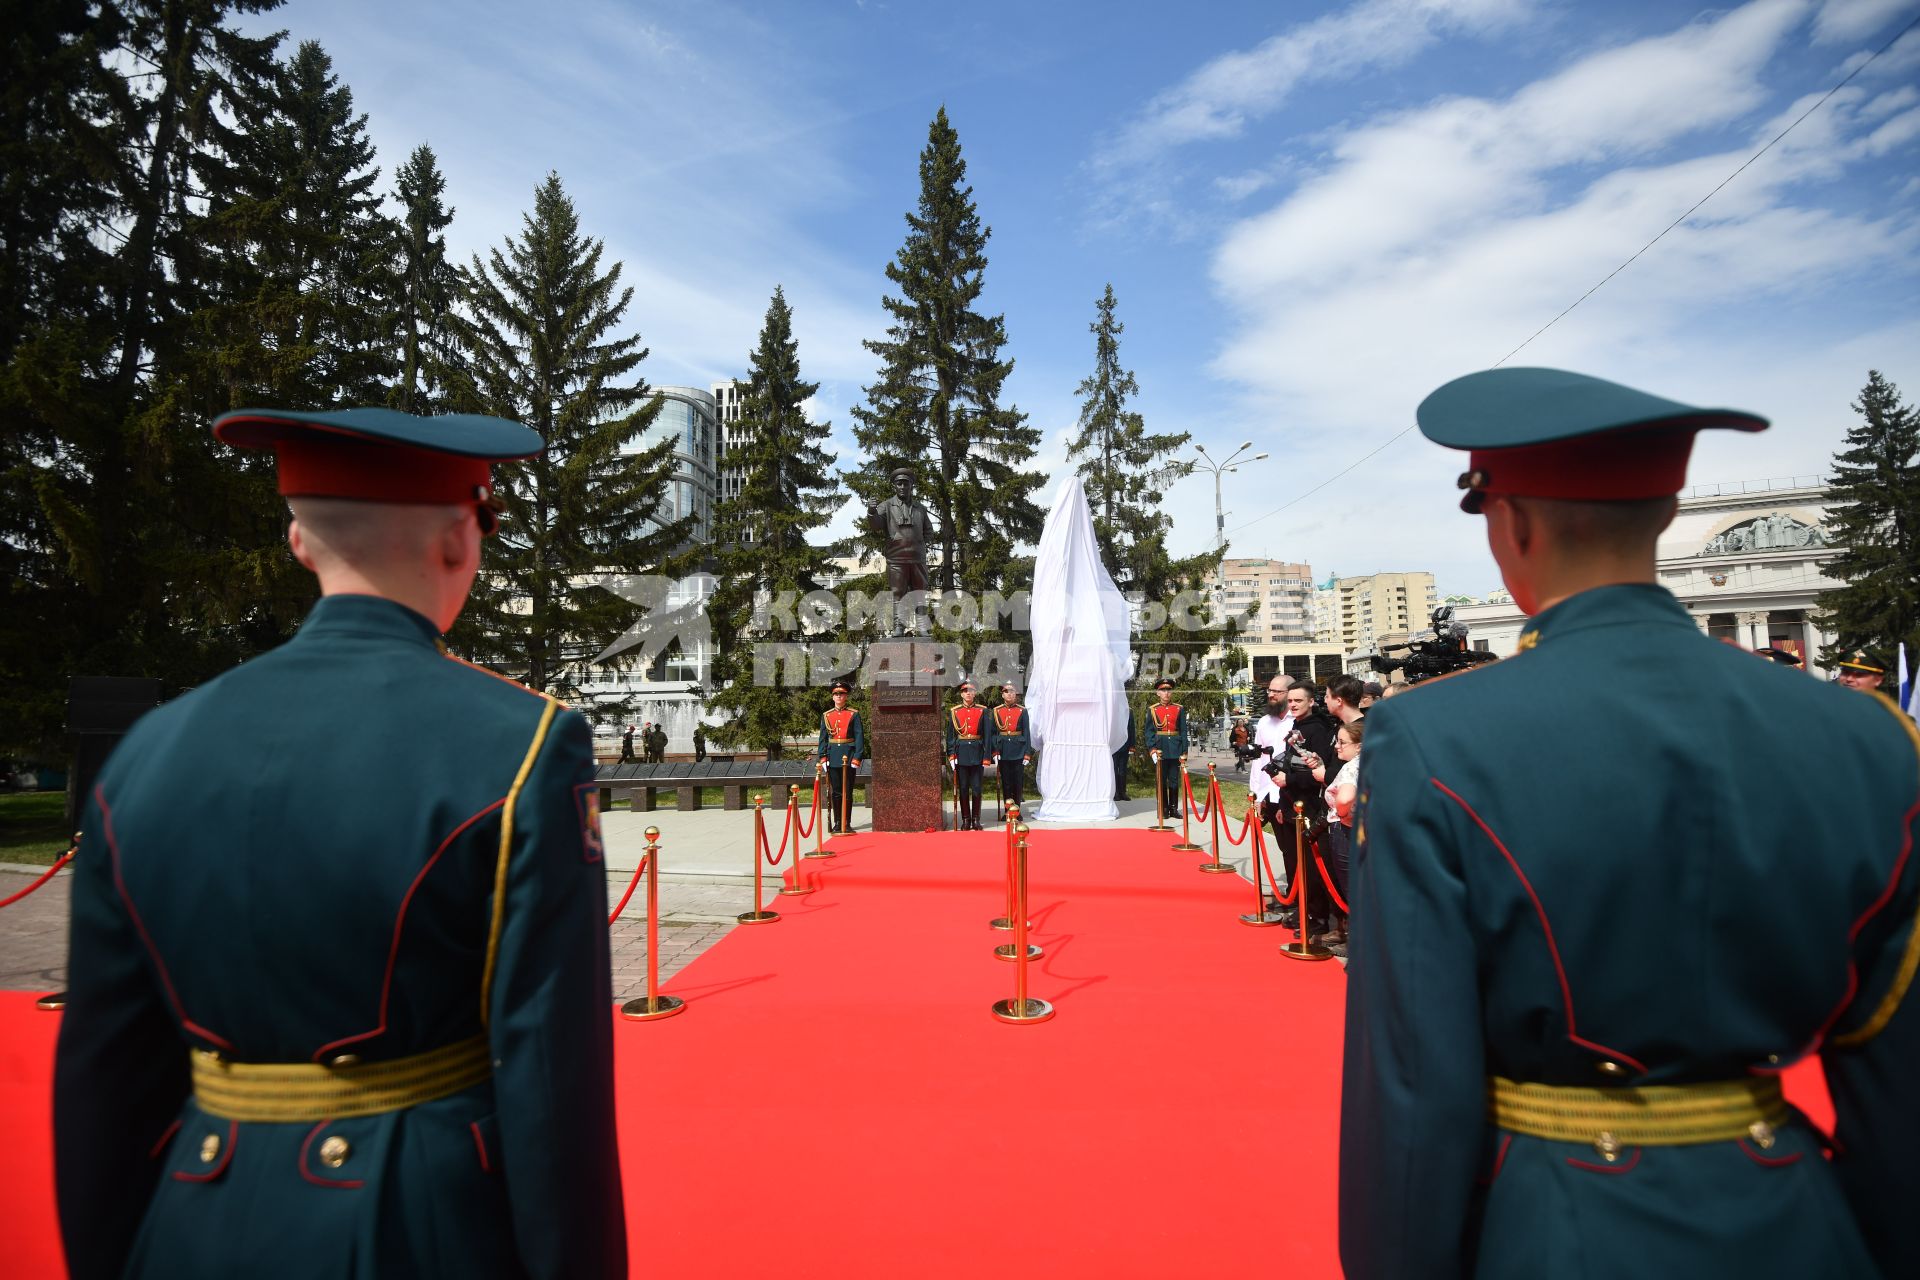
x=1309, y=741
x=1443, y=655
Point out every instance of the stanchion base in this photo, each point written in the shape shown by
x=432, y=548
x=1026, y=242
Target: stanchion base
x=823, y=853
x=1006, y=951
x=52, y=1002
x=1188, y=846
x=1003, y=924
x=1162, y=826
x=1033, y=1011
x=799, y=892
x=1304, y=951
x=1265, y=920
x=757, y=917
x=663, y=1007
x=1219, y=868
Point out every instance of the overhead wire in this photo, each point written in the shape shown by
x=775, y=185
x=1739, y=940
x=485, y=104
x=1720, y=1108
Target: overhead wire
x=1695, y=208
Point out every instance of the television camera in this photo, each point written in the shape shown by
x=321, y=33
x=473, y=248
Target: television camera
x=1442, y=655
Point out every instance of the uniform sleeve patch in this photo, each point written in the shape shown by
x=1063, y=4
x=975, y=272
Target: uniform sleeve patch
x=586, y=800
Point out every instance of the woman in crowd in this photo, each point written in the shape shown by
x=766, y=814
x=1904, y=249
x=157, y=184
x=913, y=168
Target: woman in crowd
x=1341, y=793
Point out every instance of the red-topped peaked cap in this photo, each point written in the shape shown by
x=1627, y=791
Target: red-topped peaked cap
x=380, y=455
x=1548, y=433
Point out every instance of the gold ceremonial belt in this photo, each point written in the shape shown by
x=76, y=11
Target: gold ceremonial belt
x=1654, y=1115
x=968, y=737
x=840, y=742
x=289, y=1092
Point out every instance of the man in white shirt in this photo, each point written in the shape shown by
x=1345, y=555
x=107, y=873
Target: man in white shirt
x=1270, y=741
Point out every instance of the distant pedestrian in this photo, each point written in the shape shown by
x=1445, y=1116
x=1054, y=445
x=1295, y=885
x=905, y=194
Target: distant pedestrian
x=699, y=744
x=626, y=746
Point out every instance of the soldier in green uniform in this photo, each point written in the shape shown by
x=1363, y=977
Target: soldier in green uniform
x=1586, y=942
x=843, y=741
x=339, y=1000
x=1864, y=671
x=966, y=735
x=1165, y=730
x=1010, y=745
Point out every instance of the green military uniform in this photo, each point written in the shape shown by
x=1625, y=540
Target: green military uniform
x=967, y=732
x=842, y=744
x=1009, y=744
x=1164, y=728
x=339, y=1000
x=1591, y=925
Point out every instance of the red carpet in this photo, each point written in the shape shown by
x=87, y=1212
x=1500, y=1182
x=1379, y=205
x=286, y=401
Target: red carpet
x=837, y=1101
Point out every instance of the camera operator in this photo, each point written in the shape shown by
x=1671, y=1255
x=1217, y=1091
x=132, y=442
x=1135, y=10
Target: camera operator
x=1308, y=741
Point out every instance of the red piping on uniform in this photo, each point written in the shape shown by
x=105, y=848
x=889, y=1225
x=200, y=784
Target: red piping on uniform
x=1873, y=909
x=1500, y=1158
x=160, y=966
x=480, y=1144
x=399, y=922
x=318, y=1181
x=226, y=1157
x=1632, y=1160
x=1772, y=1162
x=1553, y=948
x=165, y=1138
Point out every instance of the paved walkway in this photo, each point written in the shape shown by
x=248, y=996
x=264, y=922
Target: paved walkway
x=706, y=880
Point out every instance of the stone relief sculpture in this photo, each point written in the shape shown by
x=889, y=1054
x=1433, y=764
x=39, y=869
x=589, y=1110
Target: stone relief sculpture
x=1776, y=531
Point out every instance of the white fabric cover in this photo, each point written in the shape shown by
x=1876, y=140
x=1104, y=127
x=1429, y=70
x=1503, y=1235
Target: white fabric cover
x=1080, y=662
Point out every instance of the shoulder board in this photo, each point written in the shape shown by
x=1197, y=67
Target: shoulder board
x=506, y=680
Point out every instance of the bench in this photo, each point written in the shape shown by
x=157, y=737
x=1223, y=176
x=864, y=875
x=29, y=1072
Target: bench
x=639, y=783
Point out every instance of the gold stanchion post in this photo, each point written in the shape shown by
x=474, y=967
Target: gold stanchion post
x=653, y=1006
x=1005, y=923
x=55, y=1001
x=759, y=914
x=1259, y=917
x=796, y=889
x=1304, y=947
x=1159, y=797
x=1186, y=844
x=1016, y=900
x=820, y=849
x=1021, y=1008
x=1215, y=867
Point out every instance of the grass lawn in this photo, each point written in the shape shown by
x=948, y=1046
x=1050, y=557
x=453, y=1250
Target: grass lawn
x=33, y=827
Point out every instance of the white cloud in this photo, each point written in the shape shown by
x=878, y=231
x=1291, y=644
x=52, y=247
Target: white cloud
x=1841, y=21
x=1435, y=240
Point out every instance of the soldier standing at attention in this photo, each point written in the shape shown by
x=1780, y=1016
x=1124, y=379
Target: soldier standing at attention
x=373, y=1037
x=1538, y=1083
x=1166, y=731
x=843, y=740
x=967, y=753
x=1011, y=746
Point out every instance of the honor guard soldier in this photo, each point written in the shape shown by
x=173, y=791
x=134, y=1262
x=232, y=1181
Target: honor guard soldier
x=339, y=1000
x=1541, y=1079
x=1011, y=746
x=843, y=740
x=967, y=753
x=1166, y=732
x=1863, y=670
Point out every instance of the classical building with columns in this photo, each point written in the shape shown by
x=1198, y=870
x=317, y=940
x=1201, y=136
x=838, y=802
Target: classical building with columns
x=1747, y=560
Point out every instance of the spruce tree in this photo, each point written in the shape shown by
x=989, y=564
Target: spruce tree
x=764, y=536
x=1873, y=515
x=936, y=404
x=539, y=338
x=104, y=505
x=426, y=282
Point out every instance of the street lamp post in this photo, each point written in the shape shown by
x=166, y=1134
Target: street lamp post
x=1219, y=467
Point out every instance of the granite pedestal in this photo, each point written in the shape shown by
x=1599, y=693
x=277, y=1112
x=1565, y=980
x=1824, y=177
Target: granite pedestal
x=908, y=747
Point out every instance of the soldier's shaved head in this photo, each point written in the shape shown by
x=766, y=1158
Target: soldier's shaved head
x=422, y=555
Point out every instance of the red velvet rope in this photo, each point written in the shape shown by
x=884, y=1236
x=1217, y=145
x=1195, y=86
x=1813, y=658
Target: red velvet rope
x=1213, y=792
x=1293, y=890
x=1247, y=823
x=65, y=858
x=1327, y=880
x=766, y=847
x=813, y=813
x=631, y=886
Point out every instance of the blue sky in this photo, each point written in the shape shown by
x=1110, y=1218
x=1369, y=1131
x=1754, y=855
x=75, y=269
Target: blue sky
x=1311, y=214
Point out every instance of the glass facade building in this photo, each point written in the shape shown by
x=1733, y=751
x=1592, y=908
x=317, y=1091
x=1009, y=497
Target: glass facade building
x=689, y=418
